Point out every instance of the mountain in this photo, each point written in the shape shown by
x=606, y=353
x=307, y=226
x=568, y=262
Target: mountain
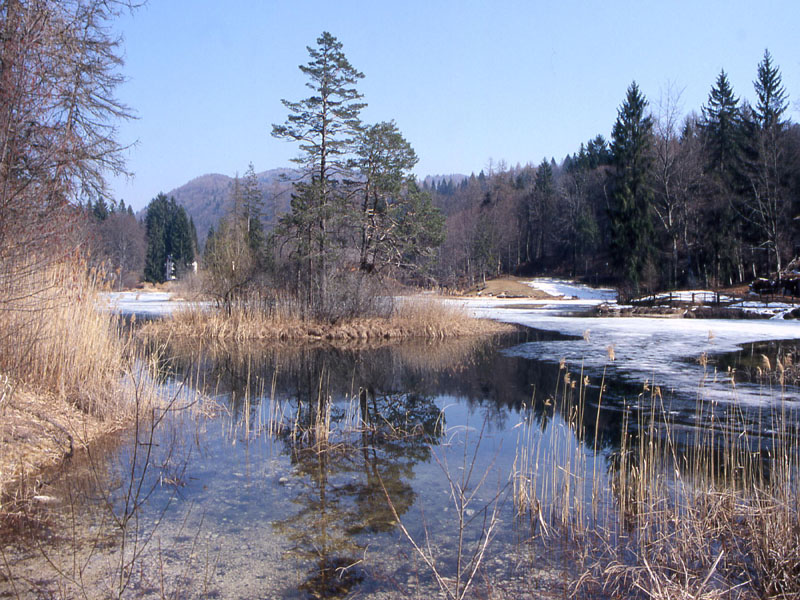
x=208, y=198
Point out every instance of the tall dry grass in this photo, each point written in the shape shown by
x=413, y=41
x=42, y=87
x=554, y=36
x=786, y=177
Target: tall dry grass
x=286, y=321
x=68, y=373
x=712, y=513
x=55, y=339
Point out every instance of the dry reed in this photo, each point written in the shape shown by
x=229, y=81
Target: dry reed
x=715, y=515
x=283, y=322
x=62, y=364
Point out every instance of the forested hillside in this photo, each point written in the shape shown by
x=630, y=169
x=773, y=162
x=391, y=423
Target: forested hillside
x=711, y=198
x=209, y=197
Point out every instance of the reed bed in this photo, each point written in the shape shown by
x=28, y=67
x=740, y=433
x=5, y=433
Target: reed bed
x=252, y=320
x=709, y=513
x=63, y=366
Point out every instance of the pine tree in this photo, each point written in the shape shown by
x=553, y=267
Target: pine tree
x=193, y=232
x=208, y=249
x=253, y=208
x=772, y=97
x=100, y=210
x=168, y=236
x=630, y=210
x=324, y=125
x=156, y=232
x=395, y=220
x=767, y=205
x=722, y=127
x=384, y=160
x=544, y=198
x=724, y=132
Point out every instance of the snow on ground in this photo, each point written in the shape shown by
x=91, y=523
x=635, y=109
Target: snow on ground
x=775, y=310
x=704, y=296
x=147, y=304
x=646, y=349
x=572, y=290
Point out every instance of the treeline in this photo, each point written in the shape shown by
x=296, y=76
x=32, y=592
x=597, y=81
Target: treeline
x=711, y=198
x=117, y=240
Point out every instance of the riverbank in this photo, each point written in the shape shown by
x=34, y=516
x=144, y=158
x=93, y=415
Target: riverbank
x=38, y=432
x=62, y=374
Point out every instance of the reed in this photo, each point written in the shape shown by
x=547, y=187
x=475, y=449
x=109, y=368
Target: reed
x=255, y=319
x=708, y=513
x=66, y=372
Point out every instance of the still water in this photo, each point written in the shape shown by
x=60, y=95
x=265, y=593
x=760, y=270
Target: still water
x=313, y=471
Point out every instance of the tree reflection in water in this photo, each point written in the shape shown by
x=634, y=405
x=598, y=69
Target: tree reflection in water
x=356, y=423
x=343, y=477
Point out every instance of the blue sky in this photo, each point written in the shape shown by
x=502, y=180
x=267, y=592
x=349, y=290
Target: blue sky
x=467, y=82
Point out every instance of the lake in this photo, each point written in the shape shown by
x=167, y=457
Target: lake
x=299, y=472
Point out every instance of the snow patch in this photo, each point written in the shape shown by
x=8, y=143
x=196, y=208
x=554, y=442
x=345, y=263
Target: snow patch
x=646, y=349
x=150, y=304
x=572, y=290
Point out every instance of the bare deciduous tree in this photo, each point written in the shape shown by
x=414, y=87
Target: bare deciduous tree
x=59, y=66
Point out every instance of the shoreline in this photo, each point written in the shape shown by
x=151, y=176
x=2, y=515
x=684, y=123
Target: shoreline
x=40, y=432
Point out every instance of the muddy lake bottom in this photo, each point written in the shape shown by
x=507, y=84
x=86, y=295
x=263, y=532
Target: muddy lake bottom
x=283, y=473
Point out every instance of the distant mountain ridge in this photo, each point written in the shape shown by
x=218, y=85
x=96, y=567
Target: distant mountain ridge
x=207, y=198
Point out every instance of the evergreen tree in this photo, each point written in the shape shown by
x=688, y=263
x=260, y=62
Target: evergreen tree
x=724, y=132
x=396, y=220
x=324, y=125
x=767, y=204
x=208, y=249
x=722, y=127
x=179, y=236
x=544, y=199
x=100, y=210
x=193, y=232
x=156, y=233
x=632, y=227
x=253, y=209
x=168, y=236
x=772, y=97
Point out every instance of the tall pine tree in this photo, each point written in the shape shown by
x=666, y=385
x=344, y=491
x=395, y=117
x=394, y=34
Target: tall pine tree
x=324, y=125
x=631, y=202
x=767, y=204
x=722, y=128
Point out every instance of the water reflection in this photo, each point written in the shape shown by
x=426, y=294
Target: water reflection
x=351, y=426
